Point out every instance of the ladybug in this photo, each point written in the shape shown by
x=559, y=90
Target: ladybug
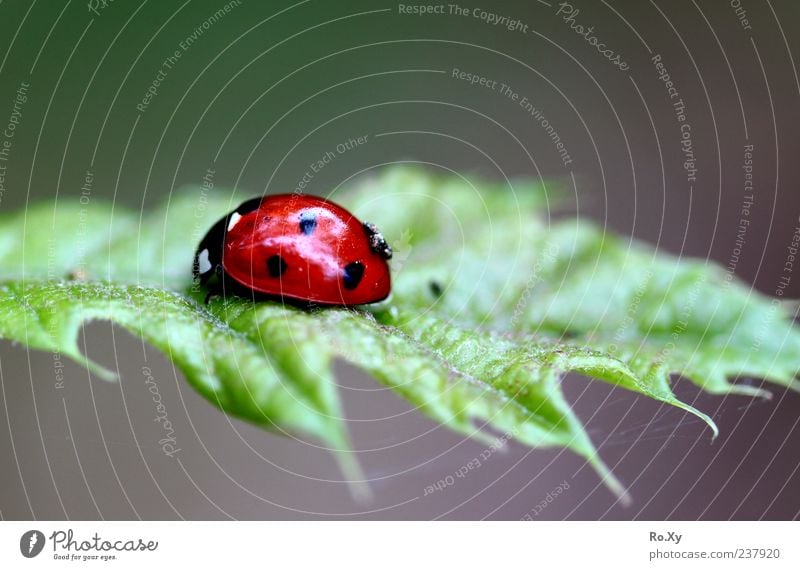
x=297, y=247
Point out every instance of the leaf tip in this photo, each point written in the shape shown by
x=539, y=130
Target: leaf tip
x=751, y=391
x=624, y=498
x=356, y=481
x=714, y=431
x=97, y=369
x=610, y=481
x=705, y=417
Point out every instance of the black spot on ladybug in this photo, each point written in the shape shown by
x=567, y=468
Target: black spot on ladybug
x=436, y=288
x=353, y=272
x=308, y=223
x=276, y=265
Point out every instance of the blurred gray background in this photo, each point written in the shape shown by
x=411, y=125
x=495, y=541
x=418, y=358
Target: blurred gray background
x=270, y=87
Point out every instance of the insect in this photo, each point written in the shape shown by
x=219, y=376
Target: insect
x=296, y=247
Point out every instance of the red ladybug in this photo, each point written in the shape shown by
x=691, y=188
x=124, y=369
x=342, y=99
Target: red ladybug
x=298, y=247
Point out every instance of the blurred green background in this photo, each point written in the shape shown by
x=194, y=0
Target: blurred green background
x=258, y=91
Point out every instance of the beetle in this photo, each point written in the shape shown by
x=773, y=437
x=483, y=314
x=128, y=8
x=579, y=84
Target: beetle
x=297, y=247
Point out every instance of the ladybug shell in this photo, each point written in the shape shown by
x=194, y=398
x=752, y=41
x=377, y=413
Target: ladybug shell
x=305, y=248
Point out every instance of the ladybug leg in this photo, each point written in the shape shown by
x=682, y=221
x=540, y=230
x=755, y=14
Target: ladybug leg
x=216, y=287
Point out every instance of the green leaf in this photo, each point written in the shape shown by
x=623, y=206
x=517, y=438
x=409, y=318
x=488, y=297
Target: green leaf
x=493, y=302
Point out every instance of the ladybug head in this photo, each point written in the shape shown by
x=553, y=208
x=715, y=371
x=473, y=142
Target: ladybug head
x=377, y=243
